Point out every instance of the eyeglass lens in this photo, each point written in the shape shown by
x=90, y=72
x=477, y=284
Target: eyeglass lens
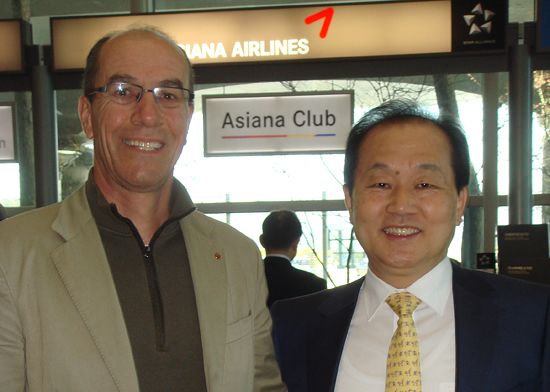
x=127, y=93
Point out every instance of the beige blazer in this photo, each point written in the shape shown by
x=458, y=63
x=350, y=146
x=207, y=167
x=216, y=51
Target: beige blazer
x=61, y=325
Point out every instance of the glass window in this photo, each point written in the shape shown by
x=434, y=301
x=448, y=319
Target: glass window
x=296, y=177
x=312, y=176
x=75, y=150
x=503, y=150
x=18, y=178
x=521, y=11
x=275, y=177
x=541, y=129
x=327, y=247
x=178, y=5
x=77, y=7
x=333, y=236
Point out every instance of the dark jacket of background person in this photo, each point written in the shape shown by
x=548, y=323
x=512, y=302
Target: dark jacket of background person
x=286, y=281
x=281, y=232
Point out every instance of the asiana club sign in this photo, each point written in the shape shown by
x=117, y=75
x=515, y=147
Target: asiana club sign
x=277, y=123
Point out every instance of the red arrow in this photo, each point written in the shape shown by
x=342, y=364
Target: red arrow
x=327, y=13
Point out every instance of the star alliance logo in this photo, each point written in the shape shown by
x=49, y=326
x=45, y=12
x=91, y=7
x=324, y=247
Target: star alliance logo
x=479, y=21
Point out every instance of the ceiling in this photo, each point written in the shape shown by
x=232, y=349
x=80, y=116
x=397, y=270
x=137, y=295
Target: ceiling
x=519, y=10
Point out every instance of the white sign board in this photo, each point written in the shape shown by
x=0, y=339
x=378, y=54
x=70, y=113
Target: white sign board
x=277, y=124
x=7, y=143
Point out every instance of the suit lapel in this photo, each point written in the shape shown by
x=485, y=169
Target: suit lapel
x=84, y=270
x=328, y=336
x=476, y=318
x=208, y=270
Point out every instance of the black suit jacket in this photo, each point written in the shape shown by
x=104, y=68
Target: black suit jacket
x=285, y=281
x=502, y=334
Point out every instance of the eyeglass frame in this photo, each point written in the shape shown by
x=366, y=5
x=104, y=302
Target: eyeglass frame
x=103, y=89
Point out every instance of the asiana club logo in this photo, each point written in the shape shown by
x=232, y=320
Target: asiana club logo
x=479, y=20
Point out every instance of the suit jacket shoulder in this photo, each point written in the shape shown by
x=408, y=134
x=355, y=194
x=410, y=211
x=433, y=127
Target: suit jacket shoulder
x=502, y=330
x=309, y=334
x=55, y=273
x=42, y=229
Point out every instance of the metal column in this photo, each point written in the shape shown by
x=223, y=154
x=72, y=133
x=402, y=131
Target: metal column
x=521, y=89
x=142, y=6
x=490, y=154
x=45, y=134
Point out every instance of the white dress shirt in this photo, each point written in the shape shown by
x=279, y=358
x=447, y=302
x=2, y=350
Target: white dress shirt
x=363, y=363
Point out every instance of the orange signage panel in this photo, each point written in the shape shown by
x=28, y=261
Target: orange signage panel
x=11, y=54
x=275, y=34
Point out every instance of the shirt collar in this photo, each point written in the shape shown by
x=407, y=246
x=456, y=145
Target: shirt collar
x=433, y=289
x=278, y=255
x=106, y=214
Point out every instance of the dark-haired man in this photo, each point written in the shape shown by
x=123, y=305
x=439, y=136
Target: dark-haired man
x=281, y=232
x=416, y=321
x=124, y=286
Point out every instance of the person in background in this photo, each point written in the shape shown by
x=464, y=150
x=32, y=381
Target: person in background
x=125, y=286
x=281, y=232
x=416, y=321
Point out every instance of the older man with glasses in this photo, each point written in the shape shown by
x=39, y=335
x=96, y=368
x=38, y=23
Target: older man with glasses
x=124, y=286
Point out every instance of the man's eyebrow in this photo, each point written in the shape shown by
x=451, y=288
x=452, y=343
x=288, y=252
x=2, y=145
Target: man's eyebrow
x=430, y=167
x=131, y=79
x=378, y=166
x=121, y=78
x=171, y=83
x=422, y=166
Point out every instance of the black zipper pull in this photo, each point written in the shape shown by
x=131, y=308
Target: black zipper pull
x=147, y=252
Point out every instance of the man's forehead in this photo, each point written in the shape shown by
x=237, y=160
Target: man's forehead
x=390, y=132
x=421, y=144
x=411, y=123
x=124, y=55
x=420, y=166
x=134, y=42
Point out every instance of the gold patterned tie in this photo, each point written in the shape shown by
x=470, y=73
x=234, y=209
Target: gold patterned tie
x=403, y=364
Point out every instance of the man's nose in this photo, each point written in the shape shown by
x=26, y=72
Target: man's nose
x=401, y=201
x=148, y=111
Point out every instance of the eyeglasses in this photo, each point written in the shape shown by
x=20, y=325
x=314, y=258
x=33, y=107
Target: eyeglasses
x=125, y=93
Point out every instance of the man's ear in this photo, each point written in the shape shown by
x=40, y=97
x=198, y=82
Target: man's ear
x=85, y=115
x=348, y=202
x=462, y=200
x=191, y=109
x=347, y=198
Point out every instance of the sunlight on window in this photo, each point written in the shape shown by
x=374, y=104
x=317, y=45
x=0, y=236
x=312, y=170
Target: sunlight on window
x=10, y=189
